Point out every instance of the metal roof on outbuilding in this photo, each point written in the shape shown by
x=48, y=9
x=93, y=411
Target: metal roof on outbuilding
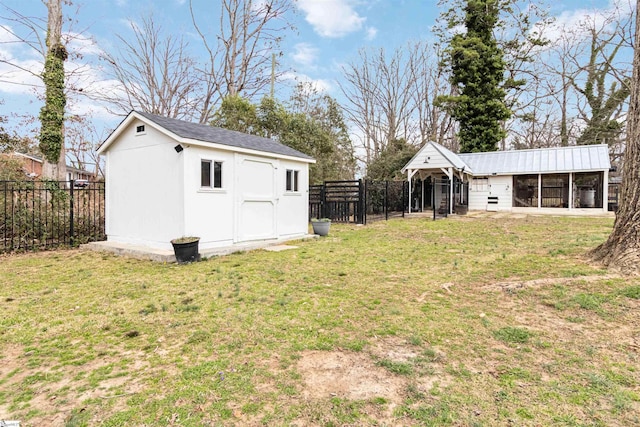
x=580, y=158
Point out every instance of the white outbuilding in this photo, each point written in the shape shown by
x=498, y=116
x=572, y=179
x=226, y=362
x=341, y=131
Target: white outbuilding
x=168, y=178
x=544, y=180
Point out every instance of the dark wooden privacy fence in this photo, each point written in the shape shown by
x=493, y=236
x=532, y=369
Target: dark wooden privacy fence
x=341, y=201
x=37, y=215
x=358, y=201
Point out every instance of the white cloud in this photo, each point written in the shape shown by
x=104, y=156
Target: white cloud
x=331, y=18
x=574, y=22
x=304, y=54
x=320, y=85
x=18, y=66
x=372, y=32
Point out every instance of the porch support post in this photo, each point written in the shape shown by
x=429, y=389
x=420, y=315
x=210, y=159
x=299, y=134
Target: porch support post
x=410, y=174
x=409, y=178
x=449, y=173
x=539, y=191
x=570, y=191
x=605, y=191
x=422, y=198
x=451, y=190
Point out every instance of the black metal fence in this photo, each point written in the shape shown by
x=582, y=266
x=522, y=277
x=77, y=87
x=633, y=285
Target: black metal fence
x=614, y=196
x=385, y=199
x=37, y=215
x=441, y=198
x=358, y=201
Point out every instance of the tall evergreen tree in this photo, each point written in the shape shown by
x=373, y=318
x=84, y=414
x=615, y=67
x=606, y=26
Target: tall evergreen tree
x=477, y=68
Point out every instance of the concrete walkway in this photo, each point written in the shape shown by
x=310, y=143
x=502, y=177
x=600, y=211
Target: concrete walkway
x=161, y=255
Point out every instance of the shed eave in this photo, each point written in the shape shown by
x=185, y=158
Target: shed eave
x=224, y=147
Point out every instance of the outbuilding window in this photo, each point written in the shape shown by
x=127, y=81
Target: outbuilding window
x=292, y=180
x=210, y=174
x=480, y=184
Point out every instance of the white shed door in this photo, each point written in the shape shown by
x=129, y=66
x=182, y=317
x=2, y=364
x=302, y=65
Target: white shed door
x=256, y=218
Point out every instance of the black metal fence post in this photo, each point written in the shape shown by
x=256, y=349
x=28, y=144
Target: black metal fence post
x=405, y=195
x=71, y=216
x=361, y=205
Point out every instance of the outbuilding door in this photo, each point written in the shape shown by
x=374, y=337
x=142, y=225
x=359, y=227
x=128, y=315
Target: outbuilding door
x=257, y=202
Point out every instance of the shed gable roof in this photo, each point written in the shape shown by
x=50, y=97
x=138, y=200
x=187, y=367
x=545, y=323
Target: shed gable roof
x=205, y=133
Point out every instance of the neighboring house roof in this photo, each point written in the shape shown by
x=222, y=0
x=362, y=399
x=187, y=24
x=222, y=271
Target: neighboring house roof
x=28, y=156
x=40, y=160
x=204, y=133
x=582, y=158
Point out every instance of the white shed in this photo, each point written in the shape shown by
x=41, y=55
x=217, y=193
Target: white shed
x=544, y=180
x=167, y=178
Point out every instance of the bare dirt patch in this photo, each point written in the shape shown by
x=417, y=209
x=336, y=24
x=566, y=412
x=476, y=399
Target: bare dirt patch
x=393, y=348
x=347, y=375
x=56, y=399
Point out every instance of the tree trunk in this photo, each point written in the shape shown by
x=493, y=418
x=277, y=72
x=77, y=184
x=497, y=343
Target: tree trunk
x=622, y=249
x=56, y=171
x=52, y=114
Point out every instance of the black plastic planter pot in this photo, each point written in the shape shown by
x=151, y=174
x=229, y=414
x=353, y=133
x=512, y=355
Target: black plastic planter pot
x=186, y=252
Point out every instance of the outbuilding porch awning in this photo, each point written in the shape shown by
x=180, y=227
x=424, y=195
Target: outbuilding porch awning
x=435, y=160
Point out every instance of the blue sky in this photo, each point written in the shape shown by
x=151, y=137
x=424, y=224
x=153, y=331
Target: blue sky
x=329, y=34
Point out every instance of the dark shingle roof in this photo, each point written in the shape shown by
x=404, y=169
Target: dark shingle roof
x=221, y=136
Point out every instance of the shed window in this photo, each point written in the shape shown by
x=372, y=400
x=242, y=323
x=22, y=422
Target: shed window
x=210, y=178
x=480, y=184
x=292, y=180
x=140, y=129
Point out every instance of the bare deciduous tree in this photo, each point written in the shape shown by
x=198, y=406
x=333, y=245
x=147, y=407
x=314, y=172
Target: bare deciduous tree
x=155, y=73
x=390, y=96
x=240, y=55
x=82, y=141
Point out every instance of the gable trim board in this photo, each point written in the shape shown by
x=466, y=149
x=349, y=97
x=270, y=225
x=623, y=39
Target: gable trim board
x=154, y=193
x=500, y=168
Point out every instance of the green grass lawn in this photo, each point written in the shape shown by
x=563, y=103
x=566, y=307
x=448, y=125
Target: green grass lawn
x=461, y=322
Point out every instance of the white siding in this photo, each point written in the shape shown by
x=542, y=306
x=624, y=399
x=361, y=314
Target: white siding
x=478, y=194
x=209, y=212
x=429, y=158
x=293, y=207
x=144, y=206
x=497, y=186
